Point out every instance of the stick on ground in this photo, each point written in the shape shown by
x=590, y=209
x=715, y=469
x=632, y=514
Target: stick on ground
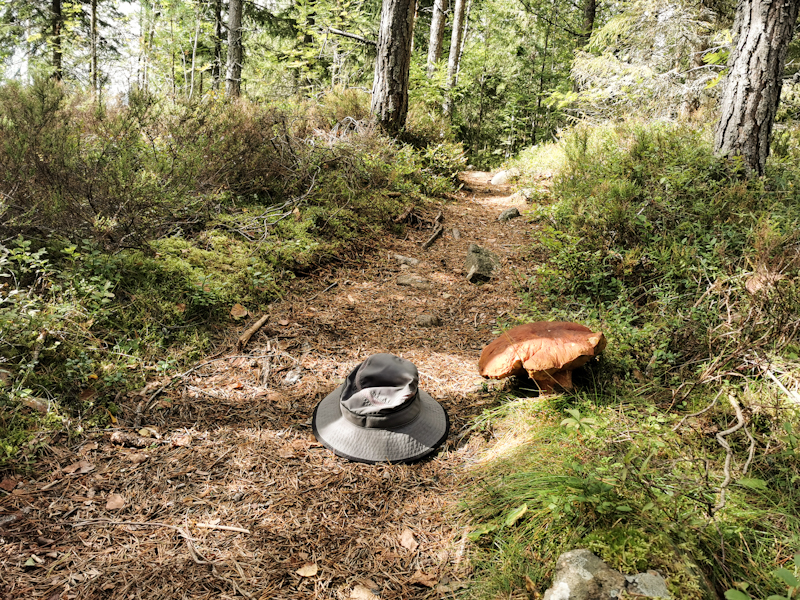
x=245, y=337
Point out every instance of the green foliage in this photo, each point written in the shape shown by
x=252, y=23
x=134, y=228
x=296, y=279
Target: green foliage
x=691, y=272
x=656, y=240
x=134, y=229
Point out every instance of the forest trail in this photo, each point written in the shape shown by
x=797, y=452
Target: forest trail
x=237, y=496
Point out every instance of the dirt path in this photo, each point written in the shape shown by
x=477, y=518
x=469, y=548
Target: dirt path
x=237, y=449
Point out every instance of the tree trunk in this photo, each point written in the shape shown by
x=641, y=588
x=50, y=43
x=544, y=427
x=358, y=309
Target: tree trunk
x=455, y=50
x=93, y=35
x=57, y=22
x=589, y=15
x=763, y=30
x=390, y=88
x=234, y=72
x=438, y=21
x=216, y=66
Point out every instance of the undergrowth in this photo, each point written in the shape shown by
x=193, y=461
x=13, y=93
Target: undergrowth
x=128, y=232
x=679, y=452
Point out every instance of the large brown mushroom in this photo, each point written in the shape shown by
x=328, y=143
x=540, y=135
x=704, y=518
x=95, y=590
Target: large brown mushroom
x=547, y=350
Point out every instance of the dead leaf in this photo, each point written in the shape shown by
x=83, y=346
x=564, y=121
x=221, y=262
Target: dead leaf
x=180, y=307
x=236, y=386
x=138, y=458
x=35, y=404
x=8, y=484
x=407, y=540
x=286, y=452
x=115, y=502
x=238, y=311
x=307, y=570
x=87, y=395
x=182, y=440
x=361, y=592
x=283, y=322
x=80, y=467
x=423, y=579
x=296, y=213
x=530, y=587
x=86, y=448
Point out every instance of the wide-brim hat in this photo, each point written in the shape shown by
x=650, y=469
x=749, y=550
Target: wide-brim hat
x=379, y=414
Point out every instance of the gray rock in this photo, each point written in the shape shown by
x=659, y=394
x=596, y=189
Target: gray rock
x=508, y=214
x=406, y=260
x=504, y=177
x=480, y=264
x=415, y=281
x=428, y=321
x=649, y=585
x=523, y=195
x=456, y=234
x=580, y=575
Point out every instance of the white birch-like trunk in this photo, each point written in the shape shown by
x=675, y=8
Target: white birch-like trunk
x=438, y=22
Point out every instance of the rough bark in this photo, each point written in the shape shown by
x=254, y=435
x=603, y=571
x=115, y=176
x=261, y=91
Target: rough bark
x=390, y=88
x=763, y=30
x=438, y=21
x=216, y=66
x=233, y=78
x=56, y=23
x=455, y=49
x=589, y=15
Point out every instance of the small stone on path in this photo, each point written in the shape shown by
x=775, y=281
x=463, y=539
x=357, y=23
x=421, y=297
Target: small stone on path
x=456, y=234
x=414, y=281
x=428, y=321
x=508, y=214
x=406, y=260
x=480, y=264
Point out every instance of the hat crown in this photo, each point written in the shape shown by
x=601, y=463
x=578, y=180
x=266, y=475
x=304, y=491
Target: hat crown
x=380, y=385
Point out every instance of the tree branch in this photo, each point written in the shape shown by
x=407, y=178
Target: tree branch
x=353, y=36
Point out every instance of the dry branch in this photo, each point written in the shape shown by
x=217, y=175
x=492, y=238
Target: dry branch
x=245, y=337
x=405, y=214
x=223, y=527
x=740, y=422
x=436, y=233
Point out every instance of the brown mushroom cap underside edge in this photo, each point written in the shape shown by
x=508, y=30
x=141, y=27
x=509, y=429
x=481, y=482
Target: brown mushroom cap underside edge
x=548, y=351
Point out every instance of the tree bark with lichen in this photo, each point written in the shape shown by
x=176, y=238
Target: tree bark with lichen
x=392, y=66
x=763, y=30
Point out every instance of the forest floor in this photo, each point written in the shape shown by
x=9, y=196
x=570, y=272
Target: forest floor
x=231, y=495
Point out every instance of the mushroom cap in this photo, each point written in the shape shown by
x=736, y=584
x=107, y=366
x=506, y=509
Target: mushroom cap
x=542, y=349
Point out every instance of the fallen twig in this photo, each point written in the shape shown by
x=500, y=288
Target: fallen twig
x=223, y=527
x=699, y=412
x=436, y=233
x=405, y=214
x=793, y=396
x=330, y=287
x=728, y=452
x=245, y=337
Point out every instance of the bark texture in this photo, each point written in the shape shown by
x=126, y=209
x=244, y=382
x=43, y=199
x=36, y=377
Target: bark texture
x=455, y=49
x=438, y=21
x=390, y=88
x=589, y=16
x=233, y=78
x=57, y=20
x=763, y=30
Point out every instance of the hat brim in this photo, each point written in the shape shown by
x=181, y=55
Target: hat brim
x=406, y=444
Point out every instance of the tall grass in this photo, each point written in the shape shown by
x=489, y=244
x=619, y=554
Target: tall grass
x=691, y=271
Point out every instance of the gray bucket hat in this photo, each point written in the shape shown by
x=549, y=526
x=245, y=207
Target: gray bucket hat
x=379, y=414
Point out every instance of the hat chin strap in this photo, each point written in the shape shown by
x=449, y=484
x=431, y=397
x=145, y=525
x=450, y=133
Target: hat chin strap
x=387, y=421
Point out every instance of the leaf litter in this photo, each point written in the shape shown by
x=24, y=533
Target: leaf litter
x=230, y=495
